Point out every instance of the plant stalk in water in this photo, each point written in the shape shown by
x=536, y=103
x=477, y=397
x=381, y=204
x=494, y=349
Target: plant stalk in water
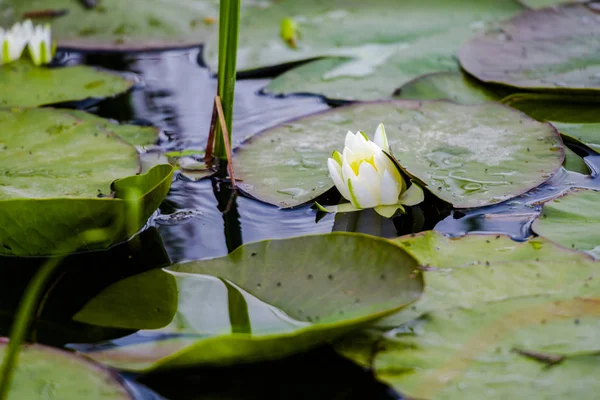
x=229, y=21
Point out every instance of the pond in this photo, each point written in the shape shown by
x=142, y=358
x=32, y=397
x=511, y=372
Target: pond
x=316, y=316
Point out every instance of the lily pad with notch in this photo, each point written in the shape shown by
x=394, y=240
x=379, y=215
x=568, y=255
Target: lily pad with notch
x=251, y=306
x=62, y=175
x=469, y=156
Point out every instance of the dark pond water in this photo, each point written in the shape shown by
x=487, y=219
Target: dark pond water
x=175, y=93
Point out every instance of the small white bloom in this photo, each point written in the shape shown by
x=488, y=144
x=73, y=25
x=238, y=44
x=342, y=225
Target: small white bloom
x=37, y=38
x=365, y=175
x=40, y=45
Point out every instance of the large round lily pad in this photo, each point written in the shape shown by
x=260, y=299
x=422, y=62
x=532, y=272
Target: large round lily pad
x=572, y=221
x=62, y=175
x=25, y=85
x=259, y=302
x=372, y=47
x=122, y=25
x=47, y=373
x=469, y=156
x=553, y=48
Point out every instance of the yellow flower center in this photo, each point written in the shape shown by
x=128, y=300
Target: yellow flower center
x=355, y=165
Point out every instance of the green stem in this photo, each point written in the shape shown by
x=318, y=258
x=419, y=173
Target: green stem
x=29, y=303
x=22, y=321
x=229, y=21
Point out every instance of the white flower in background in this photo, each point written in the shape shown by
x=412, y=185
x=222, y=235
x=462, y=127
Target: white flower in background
x=38, y=39
x=40, y=45
x=365, y=174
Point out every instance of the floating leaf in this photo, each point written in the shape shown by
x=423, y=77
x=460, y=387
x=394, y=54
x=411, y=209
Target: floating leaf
x=251, y=306
x=118, y=25
x=546, y=3
x=55, y=169
x=453, y=86
x=470, y=156
x=451, y=284
x=133, y=134
x=374, y=47
x=25, y=85
x=45, y=372
x=526, y=347
x=552, y=48
x=575, y=163
x=572, y=221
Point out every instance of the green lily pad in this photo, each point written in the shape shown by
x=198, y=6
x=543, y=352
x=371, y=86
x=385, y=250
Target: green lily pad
x=25, y=85
x=464, y=271
x=573, y=162
x=469, y=156
x=575, y=117
x=554, y=49
x=61, y=175
x=572, y=221
x=251, y=306
x=547, y=3
x=118, y=25
x=535, y=347
x=373, y=47
x=133, y=134
x=453, y=86
x=45, y=372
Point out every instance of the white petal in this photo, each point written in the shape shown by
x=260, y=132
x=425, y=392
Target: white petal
x=391, y=166
x=381, y=138
x=360, y=143
x=335, y=171
x=349, y=142
x=347, y=171
x=390, y=189
x=360, y=194
x=348, y=155
x=380, y=160
x=368, y=175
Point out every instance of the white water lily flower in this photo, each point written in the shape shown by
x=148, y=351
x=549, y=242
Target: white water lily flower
x=37, y=39
x=40, y=45
x=365, y=174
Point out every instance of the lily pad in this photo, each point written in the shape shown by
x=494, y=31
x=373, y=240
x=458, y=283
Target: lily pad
x=532, y=347
x=577, y=118
x=374, y=47
x=25, y=85
x=453, y=86
x=251, y=306
x=118, y=25
x=554, y=49
x=464, y=271
x=572, y=221
x=469, y=156
x=45, y=372
x=133, y=134
x=63, y=175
